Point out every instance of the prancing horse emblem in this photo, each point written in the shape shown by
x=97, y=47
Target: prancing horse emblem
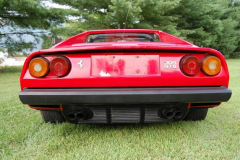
x=81, y=64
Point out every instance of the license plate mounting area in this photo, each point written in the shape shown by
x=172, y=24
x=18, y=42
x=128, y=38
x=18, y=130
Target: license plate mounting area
x=125, y=65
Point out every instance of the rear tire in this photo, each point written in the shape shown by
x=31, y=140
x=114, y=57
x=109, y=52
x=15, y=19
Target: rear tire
x=196, y=114
x=52, y=116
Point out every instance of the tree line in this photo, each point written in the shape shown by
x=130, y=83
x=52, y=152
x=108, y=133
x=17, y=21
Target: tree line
x=206, y=23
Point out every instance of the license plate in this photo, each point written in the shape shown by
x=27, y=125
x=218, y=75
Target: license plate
x=124, y=65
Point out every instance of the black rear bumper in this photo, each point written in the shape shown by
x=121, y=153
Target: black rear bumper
x=125, y=95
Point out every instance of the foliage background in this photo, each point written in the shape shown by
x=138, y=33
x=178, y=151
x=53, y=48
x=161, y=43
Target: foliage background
x=207, y=23
x=19, y=18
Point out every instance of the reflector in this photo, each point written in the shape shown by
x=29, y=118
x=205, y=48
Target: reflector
x=60, y=66
x=190, y=65
x=211, y=65
x=39, y=67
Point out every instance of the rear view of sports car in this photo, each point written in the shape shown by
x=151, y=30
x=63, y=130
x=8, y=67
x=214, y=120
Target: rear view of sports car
x=124, y=76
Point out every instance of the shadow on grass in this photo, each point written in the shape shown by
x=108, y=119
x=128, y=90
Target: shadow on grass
x=68, y=128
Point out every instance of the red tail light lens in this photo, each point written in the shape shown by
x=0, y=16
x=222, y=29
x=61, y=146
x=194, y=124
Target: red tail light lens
x=190, y=65
x=60, y=66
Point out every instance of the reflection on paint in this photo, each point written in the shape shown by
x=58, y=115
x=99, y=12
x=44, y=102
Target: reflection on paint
x=103, y=74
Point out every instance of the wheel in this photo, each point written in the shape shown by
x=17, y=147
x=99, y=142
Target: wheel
x=52, y=116
x=196, y=114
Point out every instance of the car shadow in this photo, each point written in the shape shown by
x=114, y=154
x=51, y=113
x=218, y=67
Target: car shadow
x=68, y=128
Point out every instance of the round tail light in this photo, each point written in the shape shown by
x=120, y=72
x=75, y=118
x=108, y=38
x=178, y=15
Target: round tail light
x=190, y=65
x=211, y=65
x=60, y=66
x=39, y=67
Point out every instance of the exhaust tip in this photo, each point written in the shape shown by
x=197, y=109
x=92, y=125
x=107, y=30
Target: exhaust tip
x=178, y=113
x=71, y=116
x=168, y=113
x=81, y=115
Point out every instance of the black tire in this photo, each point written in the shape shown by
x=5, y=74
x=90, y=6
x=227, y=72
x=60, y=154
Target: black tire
x=196, y=114
x=52, y=116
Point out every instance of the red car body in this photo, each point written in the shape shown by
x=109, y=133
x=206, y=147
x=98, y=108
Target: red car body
x=131, y=80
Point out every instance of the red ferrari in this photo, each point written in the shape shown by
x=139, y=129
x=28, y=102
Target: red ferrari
x=124, y=76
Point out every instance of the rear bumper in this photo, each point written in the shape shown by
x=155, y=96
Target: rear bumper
x=125, y=95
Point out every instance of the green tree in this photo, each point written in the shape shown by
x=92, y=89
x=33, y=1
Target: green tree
x=110, y=14
x=19, y=18
x=231, y=37
x=207, y=23
x=47, y=42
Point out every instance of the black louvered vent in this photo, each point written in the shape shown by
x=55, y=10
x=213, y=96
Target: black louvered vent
x=124, y=113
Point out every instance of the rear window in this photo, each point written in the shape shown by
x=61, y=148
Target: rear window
x=123, y=37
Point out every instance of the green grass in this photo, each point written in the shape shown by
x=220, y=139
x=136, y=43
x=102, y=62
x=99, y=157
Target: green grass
x=23, y=135
x=10, y=69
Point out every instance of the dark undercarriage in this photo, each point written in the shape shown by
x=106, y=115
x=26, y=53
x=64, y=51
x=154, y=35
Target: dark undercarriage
x=134, y=113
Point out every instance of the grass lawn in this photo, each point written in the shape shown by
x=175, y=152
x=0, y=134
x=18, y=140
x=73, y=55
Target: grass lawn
x=23, y=135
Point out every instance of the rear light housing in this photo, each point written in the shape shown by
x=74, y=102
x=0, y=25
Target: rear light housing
x=60, y=66
x=39, y=67
x=211, y=65
x=190, y=65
